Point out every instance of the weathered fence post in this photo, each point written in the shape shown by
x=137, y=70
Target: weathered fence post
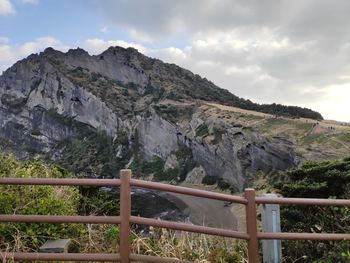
x=272, y=251
x=125, y=214
x=252, y=231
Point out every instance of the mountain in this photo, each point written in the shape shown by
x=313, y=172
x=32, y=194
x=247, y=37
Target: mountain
x=97, y=114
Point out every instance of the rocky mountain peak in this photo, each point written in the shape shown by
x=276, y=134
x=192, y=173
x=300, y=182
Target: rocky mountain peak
x=97, y=114
x=51, y=52
x=121, y=50
x=76, y=51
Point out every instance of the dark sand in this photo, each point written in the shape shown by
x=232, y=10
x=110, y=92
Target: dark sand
x=207, y=212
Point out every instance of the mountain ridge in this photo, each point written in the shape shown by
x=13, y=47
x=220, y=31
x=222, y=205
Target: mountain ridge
x=97, y=114
x=203, y=90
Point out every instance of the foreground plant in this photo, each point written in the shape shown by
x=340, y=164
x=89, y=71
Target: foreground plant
x=91, y=238
x=35, y=200
x=165, y=243
x=330, y=179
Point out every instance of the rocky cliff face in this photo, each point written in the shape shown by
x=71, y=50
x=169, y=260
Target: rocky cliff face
x=52, y=103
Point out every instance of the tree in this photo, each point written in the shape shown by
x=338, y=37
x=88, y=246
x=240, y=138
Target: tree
x=330, y=179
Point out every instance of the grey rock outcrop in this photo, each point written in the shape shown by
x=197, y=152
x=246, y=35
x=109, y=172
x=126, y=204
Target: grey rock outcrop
x=157, y=137
x=196, y=175
x=229, y=159
x=171, y=162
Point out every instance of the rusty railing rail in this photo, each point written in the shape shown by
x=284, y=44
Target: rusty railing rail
x=252, y=236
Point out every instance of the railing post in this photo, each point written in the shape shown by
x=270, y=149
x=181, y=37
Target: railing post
x=270, y=216
x=125, y=214
x=252, y=231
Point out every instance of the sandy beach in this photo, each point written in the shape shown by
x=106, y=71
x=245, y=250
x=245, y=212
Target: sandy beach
x=207, y=212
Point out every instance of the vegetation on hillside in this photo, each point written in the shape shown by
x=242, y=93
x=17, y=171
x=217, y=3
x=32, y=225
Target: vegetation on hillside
x=95, y=154
x=175, y=113
x=166, y=81
x=90, y=152
x=224, y=97
x=182, y=84
x=330, y=179
x=156, y=166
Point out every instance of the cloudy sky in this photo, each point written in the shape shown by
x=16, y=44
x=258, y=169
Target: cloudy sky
x=291, y=52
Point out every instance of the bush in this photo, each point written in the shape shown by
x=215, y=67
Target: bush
x=94, y=201
x=142, y=167
x=94, y=154
x=329, y=179
x=35, y=200
x=202, y=130
x=209, y=180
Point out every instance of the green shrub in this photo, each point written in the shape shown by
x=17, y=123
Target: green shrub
x=218, y=132
x=174, y=113
x=202, y=130
x=96, y=202
x=221, y=183
x=142, y=167
x=35, y=200
x=209, y=180
x=330, y=179
x=113, y=235
x=94, y=154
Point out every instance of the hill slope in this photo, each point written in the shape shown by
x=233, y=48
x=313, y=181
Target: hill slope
x=98, y=114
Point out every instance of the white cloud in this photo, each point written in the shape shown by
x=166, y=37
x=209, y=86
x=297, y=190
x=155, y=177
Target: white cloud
x=4, y=40
x=249, y=70
x=6, y=8
x=140, y=36
x=267, y=51
x=97, y=46
x=9, y=54
x=40, y=44
x=334, y=104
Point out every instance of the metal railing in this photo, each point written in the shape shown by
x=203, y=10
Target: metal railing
x=125, y=219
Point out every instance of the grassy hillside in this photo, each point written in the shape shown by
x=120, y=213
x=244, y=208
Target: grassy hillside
x=314, y=140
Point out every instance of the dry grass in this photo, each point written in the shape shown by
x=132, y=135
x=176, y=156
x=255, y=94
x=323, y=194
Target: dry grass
x=154, y=242
x=160, y=243
x=315, y=140
x=166, y=243
x=189, y=246
x=239, y=110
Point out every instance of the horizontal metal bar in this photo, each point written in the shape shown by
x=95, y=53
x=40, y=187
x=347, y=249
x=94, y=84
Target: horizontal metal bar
x=144, y=258
x=83, y=257
x=19, y=256
x=303, y=236
x=188, y=227
x=60, y=181
x=61, y=219
x=188, y=191
x=302, y=201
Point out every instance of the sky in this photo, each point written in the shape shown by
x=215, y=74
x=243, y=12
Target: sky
x=290, y=52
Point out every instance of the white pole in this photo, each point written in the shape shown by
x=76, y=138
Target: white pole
x=272, y=251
